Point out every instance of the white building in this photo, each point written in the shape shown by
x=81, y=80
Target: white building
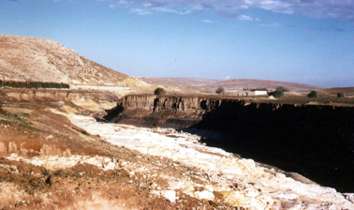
x=248, y=92
x=258, y=92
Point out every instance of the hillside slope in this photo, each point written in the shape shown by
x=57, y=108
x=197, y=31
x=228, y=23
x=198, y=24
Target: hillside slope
x=209, y=85
x=347, y=91
x=27, y=58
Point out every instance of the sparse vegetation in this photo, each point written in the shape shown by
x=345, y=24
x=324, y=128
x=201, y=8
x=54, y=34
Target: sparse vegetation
x=159, y=91
x=31, y=84
x=312, y=94
x=10, y=118
x=279, y=92
x=220, y=90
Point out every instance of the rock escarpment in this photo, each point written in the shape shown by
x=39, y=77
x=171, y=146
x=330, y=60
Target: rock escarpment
x=314, y=140
x=166, y=111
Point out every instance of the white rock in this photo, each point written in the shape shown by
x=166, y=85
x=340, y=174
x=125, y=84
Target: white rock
x=169, y=195
x=205, y=195
x=261, y=187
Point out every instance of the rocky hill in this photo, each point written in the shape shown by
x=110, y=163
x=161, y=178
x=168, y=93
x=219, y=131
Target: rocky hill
x=27, y=58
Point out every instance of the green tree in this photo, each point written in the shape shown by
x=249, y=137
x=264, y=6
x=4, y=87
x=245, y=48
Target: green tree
x=159, y=91
x=220, y=90
x=312, y=94
x=340, y=95
x=279, y=92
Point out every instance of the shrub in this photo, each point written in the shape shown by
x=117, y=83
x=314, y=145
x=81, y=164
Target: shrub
x=279, y=92
x=159, y=91
x=312, y=94
x=220, y=90
x=340, y=95
x=30, y=84
x=282, y=89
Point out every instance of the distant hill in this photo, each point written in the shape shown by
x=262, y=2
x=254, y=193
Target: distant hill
x=207, y=85
x=33, y=59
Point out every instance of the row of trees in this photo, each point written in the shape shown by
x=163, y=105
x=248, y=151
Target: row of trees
x=277, y=93
x=280, y=91
x=31, y=84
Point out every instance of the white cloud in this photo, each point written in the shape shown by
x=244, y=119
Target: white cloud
x=271, y=25
x=140, y=11
x=207, y=21
x=172, y=11
x=343, y=9
x=151, y=10
x=247, y=18
x=228, y=77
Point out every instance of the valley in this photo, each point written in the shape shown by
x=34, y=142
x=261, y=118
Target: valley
x=55, y=154
x=77, y=135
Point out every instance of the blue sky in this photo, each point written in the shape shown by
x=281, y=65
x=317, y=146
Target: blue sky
x=307, y=41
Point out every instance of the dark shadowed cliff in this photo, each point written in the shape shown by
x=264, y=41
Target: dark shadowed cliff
x=314, y=140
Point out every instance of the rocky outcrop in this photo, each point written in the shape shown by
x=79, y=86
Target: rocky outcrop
x=152, y=103
x=315, y=140
x=165, y=111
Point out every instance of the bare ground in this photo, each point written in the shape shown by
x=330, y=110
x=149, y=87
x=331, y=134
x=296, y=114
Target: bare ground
x=31, y=129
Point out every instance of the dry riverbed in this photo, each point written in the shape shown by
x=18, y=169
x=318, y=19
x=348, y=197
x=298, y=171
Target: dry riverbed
x=220, y=175
x=74, y=162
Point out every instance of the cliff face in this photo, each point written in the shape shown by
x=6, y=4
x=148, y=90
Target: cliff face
x=166, y=111
x=152, y=103
x=316, y=141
